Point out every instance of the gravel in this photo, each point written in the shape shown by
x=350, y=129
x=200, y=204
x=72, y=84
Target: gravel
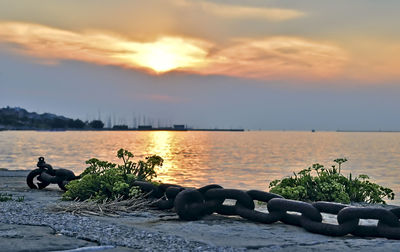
x=88, y=228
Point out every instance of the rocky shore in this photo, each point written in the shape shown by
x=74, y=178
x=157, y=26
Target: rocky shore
x=30, y=225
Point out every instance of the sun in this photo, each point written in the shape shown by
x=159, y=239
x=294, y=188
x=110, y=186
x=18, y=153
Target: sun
x=160, y=59
x=163, y=55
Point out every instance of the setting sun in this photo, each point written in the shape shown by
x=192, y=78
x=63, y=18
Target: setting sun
x=165, y=54
x=160, y=60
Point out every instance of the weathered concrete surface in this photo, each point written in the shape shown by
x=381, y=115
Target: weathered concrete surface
x=219, y=232
x=15, y=237
x=36, y=238
x=242, y=234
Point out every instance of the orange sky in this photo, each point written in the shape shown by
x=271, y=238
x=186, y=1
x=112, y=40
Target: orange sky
x=266, y=40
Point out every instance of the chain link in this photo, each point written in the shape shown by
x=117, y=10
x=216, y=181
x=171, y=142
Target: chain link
x=388, y=231
x=192, y=204
x=326, y=228
x=241, y=197
x=46, y=175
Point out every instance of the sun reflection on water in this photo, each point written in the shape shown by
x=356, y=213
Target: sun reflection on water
x=160, y=143
x=182, y=160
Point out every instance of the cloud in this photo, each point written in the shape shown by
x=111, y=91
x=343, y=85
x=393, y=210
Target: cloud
x=268, y=58
x=241, y=11
x=161, y=55
x=374, y=60
x=278, y=57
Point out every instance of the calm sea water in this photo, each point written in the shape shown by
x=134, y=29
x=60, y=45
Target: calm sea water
x=243, y=160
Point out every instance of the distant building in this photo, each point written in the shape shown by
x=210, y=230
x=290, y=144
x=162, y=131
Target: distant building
x=179, y=126
x=120, y=127
x=145, y=127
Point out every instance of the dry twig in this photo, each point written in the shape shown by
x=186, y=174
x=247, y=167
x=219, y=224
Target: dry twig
x=105, y=208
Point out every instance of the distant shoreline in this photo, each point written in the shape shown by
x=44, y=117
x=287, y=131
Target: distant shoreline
x=20, y=119
x=190, y=129
x=110, y=129
x=370, y=131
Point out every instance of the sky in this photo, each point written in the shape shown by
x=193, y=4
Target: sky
x=255, y=64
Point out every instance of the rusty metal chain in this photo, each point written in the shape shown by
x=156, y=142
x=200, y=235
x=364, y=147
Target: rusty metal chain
x=193, y=204
x=46, y=175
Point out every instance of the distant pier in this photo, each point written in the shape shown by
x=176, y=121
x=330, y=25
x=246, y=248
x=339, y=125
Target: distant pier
x=174, y=128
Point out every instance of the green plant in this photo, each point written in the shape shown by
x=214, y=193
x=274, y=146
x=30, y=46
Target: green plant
x=8, y=197
x=20, y=199
x=103, y=180
x=5, y=197
x=330, y=185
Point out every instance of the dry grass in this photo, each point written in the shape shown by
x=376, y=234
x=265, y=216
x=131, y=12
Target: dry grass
x=111, y=208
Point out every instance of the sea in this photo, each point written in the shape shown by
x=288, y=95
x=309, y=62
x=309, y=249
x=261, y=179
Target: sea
x=240, y=160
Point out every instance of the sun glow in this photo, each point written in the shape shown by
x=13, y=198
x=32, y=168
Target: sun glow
x=161, y=55
x=160, y=60
x=165, y=54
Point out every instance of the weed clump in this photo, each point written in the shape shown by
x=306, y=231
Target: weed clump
x=9, y=197
x=104, y=180
x=318, y=183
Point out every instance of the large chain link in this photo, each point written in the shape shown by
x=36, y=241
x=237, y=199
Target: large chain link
x=193, y=204
x=46, y=175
